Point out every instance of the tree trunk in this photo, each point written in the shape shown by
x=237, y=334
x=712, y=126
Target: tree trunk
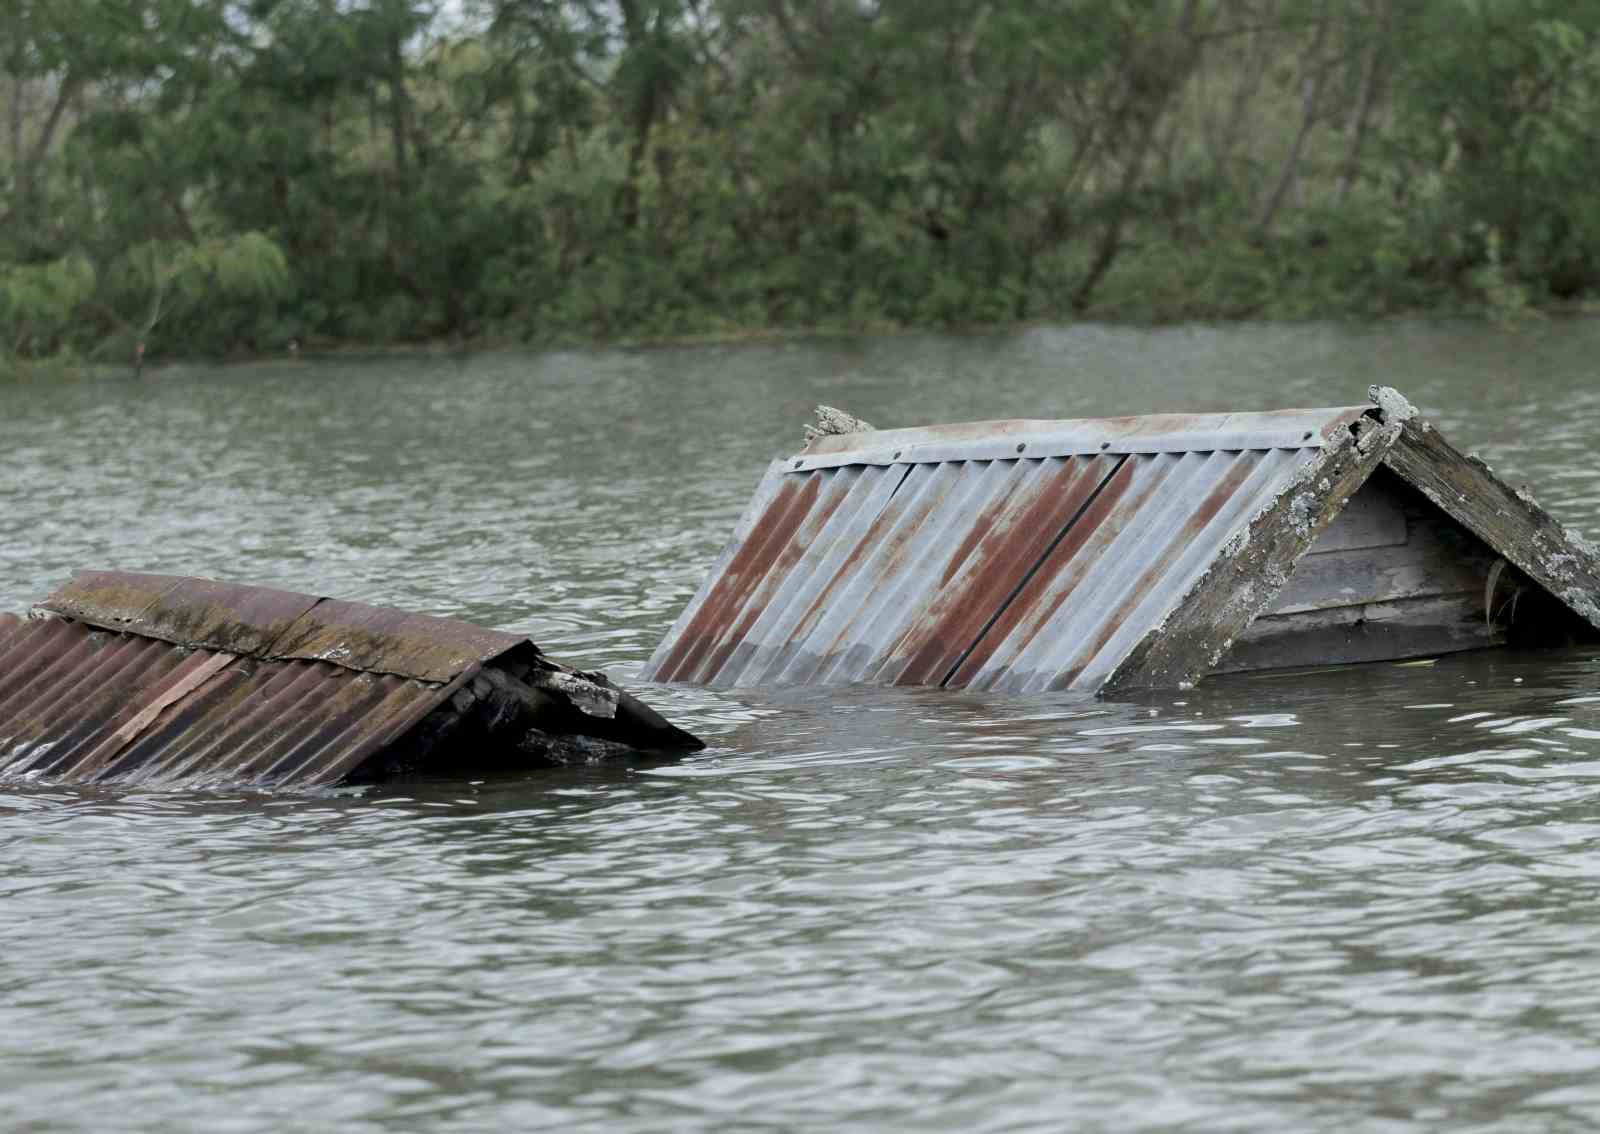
x=1260, y=58
x=399, y=106
x=28, y=168
x=638, y=31
x=18, y=92
x=1368, y=96
x=1308, y=117
x=1165, y=73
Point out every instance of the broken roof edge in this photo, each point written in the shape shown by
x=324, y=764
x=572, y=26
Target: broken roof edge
x=269, y=624
x=1033, y=437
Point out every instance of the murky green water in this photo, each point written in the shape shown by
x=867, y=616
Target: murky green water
x=1364, y=900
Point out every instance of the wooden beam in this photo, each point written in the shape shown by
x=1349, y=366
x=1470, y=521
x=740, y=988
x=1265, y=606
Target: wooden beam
x=1410, y=627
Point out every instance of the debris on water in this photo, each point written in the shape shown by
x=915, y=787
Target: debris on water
x=167, y=681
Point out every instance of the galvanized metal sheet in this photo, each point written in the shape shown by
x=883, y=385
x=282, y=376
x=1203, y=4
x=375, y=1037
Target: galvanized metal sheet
x=97, y=706
x=264, y=622
x=1155, y=433
x=275, y=723
x=909, y=593
x=797, y=512
x=1013, y=555
x=1123, y=567
x=1012, y=526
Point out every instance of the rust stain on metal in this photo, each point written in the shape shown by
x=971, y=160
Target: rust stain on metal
x=831, y=645
x=223, y=616
x=264, y=622
x=1153, y=575
x=805, y=530
x=198, y=675
x=98, y=706
x=110, y=599
x=755, y=557
x=1060, y=572
x=263, y=687
x=859, y=550
x=990, y=565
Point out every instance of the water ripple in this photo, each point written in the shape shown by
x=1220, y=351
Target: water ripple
x=1357, y=900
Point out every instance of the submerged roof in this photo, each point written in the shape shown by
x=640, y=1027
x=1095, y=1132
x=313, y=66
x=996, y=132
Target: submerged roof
x=1040, y=555
x=150, y=678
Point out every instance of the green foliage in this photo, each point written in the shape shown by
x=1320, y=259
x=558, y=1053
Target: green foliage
x=38, y=302
x=207, y=176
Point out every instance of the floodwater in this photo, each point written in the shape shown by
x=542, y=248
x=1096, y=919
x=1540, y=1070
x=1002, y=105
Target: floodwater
x=1358, y=900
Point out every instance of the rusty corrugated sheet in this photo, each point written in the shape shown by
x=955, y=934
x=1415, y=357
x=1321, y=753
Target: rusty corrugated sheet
x=97, y=706
x=156, y=680
x=1015, y=555
x=377, y=640
x=263, y=622
x=186, y=611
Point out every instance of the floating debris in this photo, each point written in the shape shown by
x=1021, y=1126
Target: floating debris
x=1127, y=552
x=159, y=680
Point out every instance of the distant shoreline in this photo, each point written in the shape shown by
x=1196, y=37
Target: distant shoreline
x=61, y=367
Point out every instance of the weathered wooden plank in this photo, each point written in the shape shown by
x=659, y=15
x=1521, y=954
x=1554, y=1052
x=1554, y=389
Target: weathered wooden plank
x=1254, y=566
x=1437, y=557
x=1373, y=518
x=1381, y=574
x=1510, y=522
x=1406, y=628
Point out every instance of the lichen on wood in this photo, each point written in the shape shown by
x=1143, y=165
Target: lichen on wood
x=1510, y=521
x=831, y=421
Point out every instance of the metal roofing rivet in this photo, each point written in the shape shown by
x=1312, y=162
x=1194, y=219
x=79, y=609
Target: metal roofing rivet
x=896, y=456
x=797, y=464
x=1105, y=444
x=1022, y=446
x=1307, y=437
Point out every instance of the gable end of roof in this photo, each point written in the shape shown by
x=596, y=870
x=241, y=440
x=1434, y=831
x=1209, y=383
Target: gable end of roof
x=1509, y=520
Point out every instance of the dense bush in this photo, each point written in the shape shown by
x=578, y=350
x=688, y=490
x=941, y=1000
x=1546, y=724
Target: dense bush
x=213, y=177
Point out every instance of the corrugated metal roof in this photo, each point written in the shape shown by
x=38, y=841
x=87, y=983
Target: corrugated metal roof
x=263, y=622
x=97, y=706
x=1019, y=556
x=151, y=679
x=186, y=611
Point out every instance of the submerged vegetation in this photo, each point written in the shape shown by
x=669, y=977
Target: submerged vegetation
x=223, y=176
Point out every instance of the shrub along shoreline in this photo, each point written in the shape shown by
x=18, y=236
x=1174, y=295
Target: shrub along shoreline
x=219, y=181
